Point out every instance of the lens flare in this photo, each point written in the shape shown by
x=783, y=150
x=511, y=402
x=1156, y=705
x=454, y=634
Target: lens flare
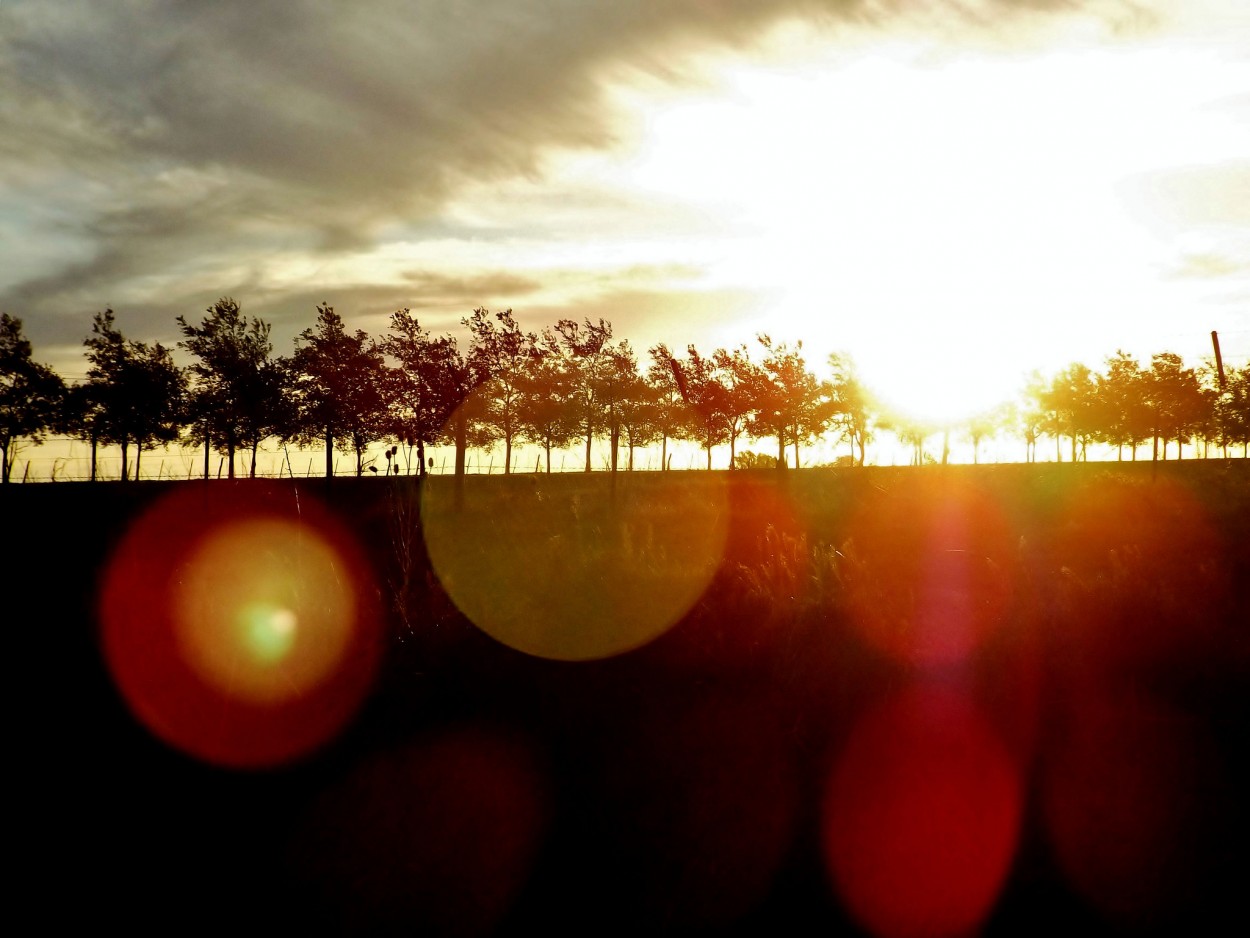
x=262, y=611
x=557, y=568
x=235, y=622
x=922, y=817
x=1130, y=792
x=699, y=806
x=1145, y=576
x=927, y=572
x=437, y=836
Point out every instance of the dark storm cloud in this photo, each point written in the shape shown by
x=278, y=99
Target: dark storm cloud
x=183, y=132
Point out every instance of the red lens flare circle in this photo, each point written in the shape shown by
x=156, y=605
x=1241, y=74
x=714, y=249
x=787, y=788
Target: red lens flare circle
x=922, y=817
x=237, y=624
x=928, y=572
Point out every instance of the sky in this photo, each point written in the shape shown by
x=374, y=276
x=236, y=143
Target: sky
x=952, y=193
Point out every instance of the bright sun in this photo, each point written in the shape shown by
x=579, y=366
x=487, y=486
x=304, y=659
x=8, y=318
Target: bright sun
x=949, y=223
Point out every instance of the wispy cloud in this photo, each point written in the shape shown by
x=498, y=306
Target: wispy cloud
x=158, y=153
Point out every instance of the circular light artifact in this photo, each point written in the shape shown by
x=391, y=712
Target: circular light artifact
x=261, y=612
x=922, y=817
x=436, y=836
x=237, y=626
x=559, y=568
x=922, y=580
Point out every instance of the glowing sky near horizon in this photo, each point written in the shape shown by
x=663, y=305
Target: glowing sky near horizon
x=954, y=199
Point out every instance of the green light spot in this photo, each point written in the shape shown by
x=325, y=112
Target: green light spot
x=268, y=631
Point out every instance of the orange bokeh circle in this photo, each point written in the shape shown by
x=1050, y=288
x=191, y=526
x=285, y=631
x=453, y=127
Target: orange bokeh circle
x=237, y=623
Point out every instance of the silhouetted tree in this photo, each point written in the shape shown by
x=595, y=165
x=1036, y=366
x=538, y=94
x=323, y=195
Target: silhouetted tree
x=1175, y=400
x=741, y=380
x=854, y=411
x=978, y=428
x=672, y=415
x=1232, y=411
x=914, y=433
x=31, y=394
x=237, y=399
x=618, y=381
x=641, y=417
x=1122, y=406
x=793, y=405
x=83, y=417
x=137, y=390
x=1071, y=399
x=419, y=396
x=1039, y=414
x=587, y=356
x=548, y=417
x=705, y=398
x=500, y=352
x=339, y=381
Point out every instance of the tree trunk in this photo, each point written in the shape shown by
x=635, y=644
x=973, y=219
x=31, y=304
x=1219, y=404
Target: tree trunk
x=125, y=459
x=95, y=441
x=548, y=448
x=251, y=472
x=4, y=462
x=589, y=436
x=614, y=438
x=208, y=451
x=138, y=459
x=664, y=452
x=460, y=435
x=781, y=451
x=507, y=454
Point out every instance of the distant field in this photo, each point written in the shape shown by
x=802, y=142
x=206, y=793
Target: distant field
x=724, y=702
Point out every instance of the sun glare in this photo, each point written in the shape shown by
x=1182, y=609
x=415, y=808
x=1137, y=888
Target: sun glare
x=953, y=221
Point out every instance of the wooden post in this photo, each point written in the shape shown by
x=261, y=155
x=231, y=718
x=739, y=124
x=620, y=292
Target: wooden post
x=1219, y=360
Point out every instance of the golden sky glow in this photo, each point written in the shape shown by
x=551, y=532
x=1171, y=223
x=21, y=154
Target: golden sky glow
x=953, y=194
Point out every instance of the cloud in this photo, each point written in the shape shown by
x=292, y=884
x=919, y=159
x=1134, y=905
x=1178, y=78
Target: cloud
x=157, y=147
x=1210, y=265
x=1216, y=194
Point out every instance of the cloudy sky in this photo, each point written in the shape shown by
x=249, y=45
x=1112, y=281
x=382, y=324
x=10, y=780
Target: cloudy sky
x=954, y=193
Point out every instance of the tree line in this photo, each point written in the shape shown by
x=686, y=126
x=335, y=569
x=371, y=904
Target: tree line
x=568, y=385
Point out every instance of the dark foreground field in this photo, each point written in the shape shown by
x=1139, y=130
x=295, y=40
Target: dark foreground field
x=1006, y=700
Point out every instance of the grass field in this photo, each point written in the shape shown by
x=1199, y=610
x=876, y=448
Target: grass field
x=1005, y=699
